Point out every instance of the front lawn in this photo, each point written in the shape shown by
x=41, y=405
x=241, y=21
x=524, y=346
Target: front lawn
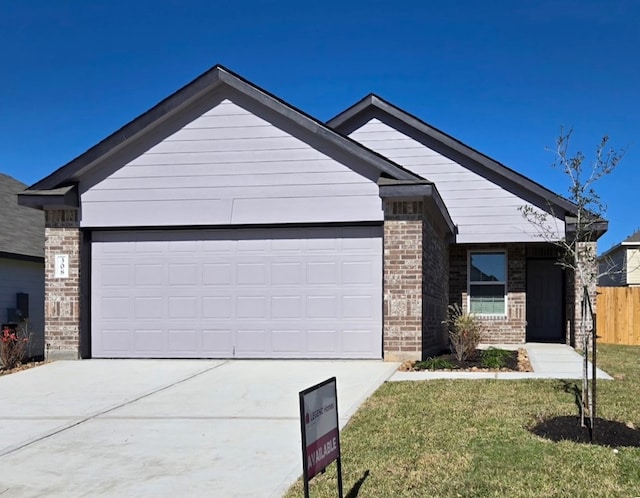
x=457, y=438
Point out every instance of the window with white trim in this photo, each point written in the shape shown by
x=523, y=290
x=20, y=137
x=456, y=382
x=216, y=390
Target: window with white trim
x=487, y=282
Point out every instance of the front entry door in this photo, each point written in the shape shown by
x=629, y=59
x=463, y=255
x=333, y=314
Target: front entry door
x=545, y=301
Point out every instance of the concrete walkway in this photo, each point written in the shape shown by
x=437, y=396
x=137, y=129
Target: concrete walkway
x=549, y=361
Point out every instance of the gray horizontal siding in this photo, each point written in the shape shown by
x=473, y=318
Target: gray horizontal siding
x=24, y=276
x=230, y=166
x=613, y=269
x=482, y=210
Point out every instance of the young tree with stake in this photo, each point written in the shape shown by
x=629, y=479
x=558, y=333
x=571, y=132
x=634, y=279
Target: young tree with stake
x=577, y=249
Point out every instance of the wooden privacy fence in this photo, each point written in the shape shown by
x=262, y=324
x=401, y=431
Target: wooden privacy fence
x=618, y=315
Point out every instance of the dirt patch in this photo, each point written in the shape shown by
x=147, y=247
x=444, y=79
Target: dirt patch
x=517, y=361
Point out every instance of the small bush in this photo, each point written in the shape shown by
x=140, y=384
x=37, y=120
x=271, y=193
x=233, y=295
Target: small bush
x=14, y=343
x=494, y=358
x=436, y=363
x=464, y=332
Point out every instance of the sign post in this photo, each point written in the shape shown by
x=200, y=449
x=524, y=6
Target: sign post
x=320, y=431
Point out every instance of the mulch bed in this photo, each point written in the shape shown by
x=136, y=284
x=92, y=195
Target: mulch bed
x=23, y=366
x=606, y=432
x=517, y=361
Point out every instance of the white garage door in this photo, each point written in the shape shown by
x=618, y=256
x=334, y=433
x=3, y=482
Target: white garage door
x=269, y=293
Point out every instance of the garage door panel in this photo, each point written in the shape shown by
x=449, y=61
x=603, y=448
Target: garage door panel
x=116, y=340
x=287, y=342
x=183, y=340
x=149, y=249
x=149, y=341
x=184, y=274
x=116, y=275
x=322, y=307
x=216, y=307
x=251, y=307
x=322, y=341
x=322, y=273
x=286, y=307
x=148, y=307
x=286, y=273
x=217, y=342
x=115, y=308
x=286, y=293
x=217, y=274
x=183, y=307
x=252, y=342
x=251, y=273
x=148, y=274
x=183, y=247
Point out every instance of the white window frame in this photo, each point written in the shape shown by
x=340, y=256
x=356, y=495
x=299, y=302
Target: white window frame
x=505, y=283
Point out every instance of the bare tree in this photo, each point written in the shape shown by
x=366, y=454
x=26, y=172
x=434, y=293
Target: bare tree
x=577, y=246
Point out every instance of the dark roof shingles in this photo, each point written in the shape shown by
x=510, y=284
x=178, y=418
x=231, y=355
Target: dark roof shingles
x=21, y=228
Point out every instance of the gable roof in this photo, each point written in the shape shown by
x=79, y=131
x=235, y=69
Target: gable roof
x=21, y=228
x=191, y=94
x=59, y=188
x=631, y=241
x=373, y=106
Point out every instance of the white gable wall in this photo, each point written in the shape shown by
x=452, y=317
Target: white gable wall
x=482, y=210
x=633, y=266
x=227, y=167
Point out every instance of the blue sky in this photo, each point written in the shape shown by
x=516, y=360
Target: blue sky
x=501, y=76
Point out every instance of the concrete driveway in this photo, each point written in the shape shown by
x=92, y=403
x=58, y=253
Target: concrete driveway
x=164, y=427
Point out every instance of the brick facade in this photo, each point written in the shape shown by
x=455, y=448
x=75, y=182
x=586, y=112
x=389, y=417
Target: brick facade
x=415, y=282
x=512, y=328
x=435, y=289
x=62, y=295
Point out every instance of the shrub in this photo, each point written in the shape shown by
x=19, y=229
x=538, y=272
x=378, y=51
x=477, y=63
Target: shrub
x=464, y=332
x=14, y=342
x=494, y=358
x=437, y=363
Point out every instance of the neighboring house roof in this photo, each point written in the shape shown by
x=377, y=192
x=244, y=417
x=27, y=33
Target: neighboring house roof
x=54, y=191
x=373, y=106
x=21, y=228
x=632, y=239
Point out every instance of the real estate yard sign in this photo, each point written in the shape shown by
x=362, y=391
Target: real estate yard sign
x=320, y=431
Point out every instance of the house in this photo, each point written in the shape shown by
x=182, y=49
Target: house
x=21, y=263
x=226, y=223
x=620, y=265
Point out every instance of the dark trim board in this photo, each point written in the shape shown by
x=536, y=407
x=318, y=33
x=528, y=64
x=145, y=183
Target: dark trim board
x=85, y=294
x=21, y=257
x=255, y=226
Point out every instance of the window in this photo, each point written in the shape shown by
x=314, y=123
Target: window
x=487, y=283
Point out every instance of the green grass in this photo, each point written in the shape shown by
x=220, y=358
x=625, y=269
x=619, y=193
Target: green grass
x=434, y=363
x=494, y=358
x=472, y=439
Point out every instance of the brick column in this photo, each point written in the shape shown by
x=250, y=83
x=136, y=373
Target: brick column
x=402, y=280
x=62, y=293
x=587, y=252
